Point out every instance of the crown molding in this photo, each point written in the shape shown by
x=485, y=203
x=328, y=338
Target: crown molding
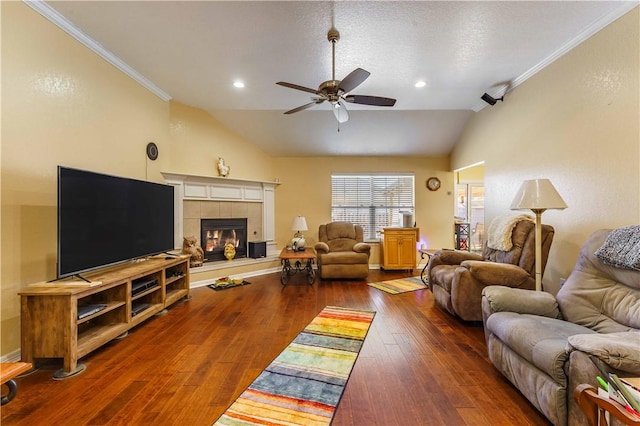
x=52, y=15
x=589, y=31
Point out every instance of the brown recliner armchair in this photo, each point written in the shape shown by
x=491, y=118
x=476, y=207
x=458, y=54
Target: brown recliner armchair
x=457, y=277
x=341, y=252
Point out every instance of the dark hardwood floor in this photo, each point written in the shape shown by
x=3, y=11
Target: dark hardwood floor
x=418, y=366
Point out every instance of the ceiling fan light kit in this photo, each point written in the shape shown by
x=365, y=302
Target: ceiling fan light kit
x=490, y=99
x=336, y=92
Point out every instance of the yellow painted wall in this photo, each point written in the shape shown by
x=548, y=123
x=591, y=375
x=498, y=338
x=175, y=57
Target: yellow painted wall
x=198, y=139
x=61, y=105
x=64, y=105
x=306, y=190
x=473, y=174
x=577, y=122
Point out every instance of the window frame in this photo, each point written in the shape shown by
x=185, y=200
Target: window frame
x=377, y=215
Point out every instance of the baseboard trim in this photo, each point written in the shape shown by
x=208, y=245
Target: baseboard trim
x=11, y=356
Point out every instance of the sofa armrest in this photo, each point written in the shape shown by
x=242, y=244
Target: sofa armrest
x=506, y=299
x=321, y=248
x=492, y=273
x=452, y=257
x=362, y=248
x=619, y=350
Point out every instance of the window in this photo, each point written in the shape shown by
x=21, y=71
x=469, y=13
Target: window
x=373, y=201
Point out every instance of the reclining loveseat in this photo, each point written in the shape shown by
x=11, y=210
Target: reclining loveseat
x=544, y=344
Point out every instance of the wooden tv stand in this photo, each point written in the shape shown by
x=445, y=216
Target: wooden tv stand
x=50, y=326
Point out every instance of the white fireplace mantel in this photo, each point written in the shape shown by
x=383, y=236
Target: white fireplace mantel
x=215, y=188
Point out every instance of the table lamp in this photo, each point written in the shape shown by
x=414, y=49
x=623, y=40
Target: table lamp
x=298, y=242
x=538, y=195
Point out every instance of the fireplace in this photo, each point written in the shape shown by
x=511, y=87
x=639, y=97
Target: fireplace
x=217, y=233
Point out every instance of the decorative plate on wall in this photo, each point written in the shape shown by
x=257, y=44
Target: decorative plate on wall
x=152, y=151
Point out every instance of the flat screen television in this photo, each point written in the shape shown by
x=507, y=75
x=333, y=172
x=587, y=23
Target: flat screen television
x=104, y=220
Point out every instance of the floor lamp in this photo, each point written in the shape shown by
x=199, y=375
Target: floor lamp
x=538, y=195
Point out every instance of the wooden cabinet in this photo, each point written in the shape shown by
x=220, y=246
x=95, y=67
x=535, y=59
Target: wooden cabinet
x=69, y=320
x=398, y=248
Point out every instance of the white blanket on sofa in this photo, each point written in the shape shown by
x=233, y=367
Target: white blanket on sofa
x=500, y=229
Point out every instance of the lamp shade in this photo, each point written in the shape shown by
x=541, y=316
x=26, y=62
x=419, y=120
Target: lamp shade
x=299, y=224
x=538, y=194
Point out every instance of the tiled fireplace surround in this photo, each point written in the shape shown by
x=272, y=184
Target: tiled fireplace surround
x=209, y=197
x=195, y=210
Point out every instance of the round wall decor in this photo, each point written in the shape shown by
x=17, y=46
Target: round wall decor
x=152, y=151
x=433, y=184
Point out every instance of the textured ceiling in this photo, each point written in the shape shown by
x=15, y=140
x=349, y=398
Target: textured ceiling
x=194, y=51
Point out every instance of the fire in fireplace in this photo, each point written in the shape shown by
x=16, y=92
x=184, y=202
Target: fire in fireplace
x=217, y=233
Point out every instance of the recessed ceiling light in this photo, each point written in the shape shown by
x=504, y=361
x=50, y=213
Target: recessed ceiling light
x=238, y=84
x=421, y=84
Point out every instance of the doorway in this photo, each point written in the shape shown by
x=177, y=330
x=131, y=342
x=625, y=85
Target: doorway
x=469, y=203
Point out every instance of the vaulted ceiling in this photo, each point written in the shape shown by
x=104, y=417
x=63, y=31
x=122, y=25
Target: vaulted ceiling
x=193, y=52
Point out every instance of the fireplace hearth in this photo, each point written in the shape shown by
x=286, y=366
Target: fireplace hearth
x=217, y=233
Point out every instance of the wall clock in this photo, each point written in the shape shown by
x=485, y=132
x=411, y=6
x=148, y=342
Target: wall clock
x=152, y=151
x=433, y=184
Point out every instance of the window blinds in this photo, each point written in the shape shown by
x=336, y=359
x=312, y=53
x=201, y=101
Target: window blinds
x=373, y=201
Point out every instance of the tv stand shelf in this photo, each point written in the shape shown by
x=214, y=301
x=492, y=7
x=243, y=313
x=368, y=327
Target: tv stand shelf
x=49, y=315
x=110, y=306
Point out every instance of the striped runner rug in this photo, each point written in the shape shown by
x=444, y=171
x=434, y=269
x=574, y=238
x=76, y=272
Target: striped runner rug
x=304, y=384
x=401, y=285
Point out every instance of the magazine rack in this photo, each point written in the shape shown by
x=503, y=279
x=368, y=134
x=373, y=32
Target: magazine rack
x=595, y=406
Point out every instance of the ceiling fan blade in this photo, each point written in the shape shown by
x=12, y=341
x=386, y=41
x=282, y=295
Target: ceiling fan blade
x=295, y=86
x=370, y=100
x=353, y=80
x=340, y=111
x=303, y=107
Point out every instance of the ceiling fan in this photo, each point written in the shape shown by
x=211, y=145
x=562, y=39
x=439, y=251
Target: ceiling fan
x=336, y=92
